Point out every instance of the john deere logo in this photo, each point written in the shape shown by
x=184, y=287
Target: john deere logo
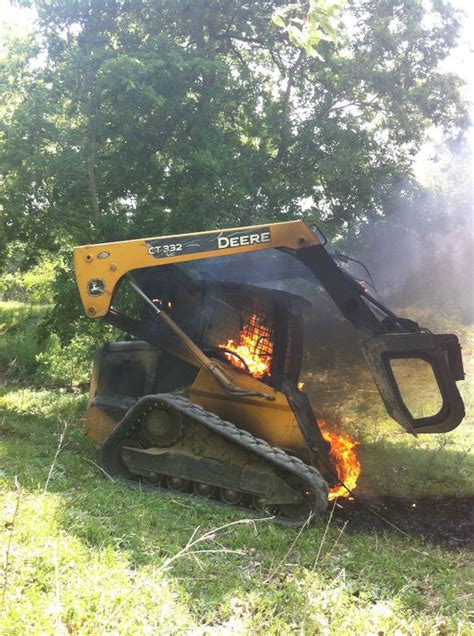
x=207, y=242
x=240, y=239
x=95, y=287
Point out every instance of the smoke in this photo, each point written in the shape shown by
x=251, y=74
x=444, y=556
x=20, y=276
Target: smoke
x=421, y=253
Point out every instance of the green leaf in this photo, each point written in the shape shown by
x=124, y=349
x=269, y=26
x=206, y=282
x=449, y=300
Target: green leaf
x=278, y=20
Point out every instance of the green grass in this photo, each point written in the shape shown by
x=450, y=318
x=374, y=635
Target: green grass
x=89, y=556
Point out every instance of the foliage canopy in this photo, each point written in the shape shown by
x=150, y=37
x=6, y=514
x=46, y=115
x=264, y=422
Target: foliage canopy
x=123, y=118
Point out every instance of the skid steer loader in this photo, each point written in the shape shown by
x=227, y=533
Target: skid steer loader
x=203, y=398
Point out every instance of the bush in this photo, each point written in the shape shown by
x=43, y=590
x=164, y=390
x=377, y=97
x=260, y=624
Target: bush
x=28, y=354
x=45, y=335
x=19, y=343
x=68, y=365
x=37, y=282
x=33, y=286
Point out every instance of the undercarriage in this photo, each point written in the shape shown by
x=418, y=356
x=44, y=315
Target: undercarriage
x=169, y=443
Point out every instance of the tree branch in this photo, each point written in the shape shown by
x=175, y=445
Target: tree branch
x=91, y=172
x=361, y=103
x=285, y=128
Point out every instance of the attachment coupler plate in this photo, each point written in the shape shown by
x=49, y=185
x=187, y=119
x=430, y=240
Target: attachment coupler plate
x=442, y=353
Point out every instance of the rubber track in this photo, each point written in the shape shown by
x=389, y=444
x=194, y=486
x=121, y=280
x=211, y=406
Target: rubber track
x=311, y=479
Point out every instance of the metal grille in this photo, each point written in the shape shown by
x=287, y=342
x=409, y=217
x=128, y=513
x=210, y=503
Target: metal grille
x=259, y=332
x=257, y=329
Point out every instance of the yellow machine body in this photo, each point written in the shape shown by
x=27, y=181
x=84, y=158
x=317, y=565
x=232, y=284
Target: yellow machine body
x=273, y=420
x=270, y=420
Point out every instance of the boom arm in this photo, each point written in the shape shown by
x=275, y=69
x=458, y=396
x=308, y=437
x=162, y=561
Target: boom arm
x=100, y=267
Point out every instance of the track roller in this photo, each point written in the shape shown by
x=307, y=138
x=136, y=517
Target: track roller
x=231, y=496
x=204, y=490
x=177, y=483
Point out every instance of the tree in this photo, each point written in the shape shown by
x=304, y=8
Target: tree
x=131, y=117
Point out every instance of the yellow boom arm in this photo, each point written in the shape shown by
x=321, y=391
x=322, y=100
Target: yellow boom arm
x=100, y=267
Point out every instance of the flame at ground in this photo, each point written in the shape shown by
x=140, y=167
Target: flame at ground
x=345, y=459
x=253, y=338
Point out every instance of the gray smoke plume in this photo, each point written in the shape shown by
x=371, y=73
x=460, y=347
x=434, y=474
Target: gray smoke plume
x=422, y=252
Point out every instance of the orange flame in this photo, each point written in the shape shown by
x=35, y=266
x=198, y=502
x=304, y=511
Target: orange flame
x=253, y=338
x=345, y=459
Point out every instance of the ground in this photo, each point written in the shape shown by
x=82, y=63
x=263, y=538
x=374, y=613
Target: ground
x=85, y=555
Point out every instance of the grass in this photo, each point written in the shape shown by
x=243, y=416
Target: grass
x=89, y=556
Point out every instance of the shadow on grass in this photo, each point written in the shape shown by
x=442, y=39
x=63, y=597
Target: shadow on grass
x=427, y=492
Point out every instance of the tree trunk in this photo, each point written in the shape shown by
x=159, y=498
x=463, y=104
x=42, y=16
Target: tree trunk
x=91, y=171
